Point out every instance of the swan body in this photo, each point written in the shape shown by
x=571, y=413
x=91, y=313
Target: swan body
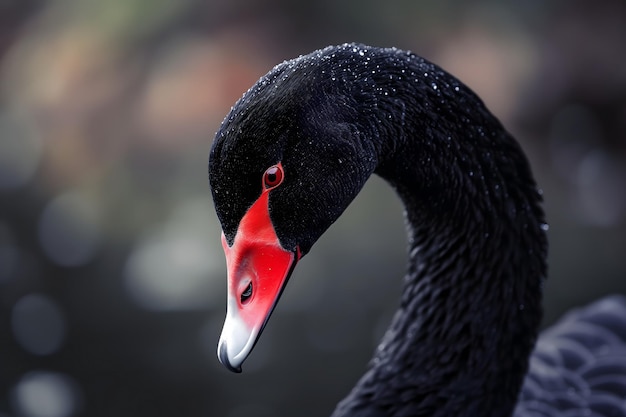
x=298, y=147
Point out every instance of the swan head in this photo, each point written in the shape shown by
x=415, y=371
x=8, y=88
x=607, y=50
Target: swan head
x=286, y=162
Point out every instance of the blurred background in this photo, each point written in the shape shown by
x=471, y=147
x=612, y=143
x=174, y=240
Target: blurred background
x=112, y=278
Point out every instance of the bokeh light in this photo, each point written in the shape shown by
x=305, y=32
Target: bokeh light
x=46, y=394
x=69, y=230
x=21, y=149
x=602, y=198
x=176, y=266
x=38, y=324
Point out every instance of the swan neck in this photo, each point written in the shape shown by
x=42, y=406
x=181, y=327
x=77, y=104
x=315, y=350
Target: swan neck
x=471, y=303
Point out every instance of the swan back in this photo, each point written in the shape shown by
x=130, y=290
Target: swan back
x=578, y=367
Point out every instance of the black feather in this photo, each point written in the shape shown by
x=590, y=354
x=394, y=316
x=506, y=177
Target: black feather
x=579, y=365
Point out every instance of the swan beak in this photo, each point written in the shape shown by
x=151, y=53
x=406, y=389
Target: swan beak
x=257, y=276
x=258, y=269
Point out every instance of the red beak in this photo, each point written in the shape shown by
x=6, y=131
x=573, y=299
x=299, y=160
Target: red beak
x=258, y=269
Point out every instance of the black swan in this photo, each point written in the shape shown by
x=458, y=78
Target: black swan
x=297, y=148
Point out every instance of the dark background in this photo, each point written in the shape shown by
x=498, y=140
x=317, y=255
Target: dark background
x=112, y=280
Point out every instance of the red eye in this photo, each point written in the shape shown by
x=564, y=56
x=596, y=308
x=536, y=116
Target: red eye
x=273, y=176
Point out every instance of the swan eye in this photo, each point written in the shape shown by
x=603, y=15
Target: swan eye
x=246, y=294
x=273, y=177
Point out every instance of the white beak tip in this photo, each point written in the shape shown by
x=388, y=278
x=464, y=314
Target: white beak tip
x=222, y=354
